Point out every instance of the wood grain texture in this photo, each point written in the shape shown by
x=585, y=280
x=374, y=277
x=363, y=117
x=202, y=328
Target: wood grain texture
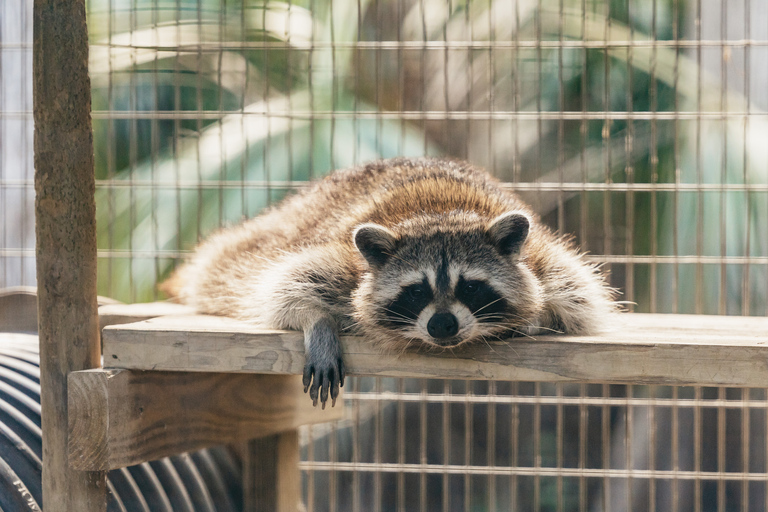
x=65, y=229
x=119, y=417
x=641, y=348
x=271, y=476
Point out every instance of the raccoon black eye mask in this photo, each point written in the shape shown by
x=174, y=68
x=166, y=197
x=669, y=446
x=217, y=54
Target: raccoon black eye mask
x=408, y=253
x=483, y=302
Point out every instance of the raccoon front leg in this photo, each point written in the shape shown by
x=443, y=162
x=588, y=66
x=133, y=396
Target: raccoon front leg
x=324, y=366
x=310, y=291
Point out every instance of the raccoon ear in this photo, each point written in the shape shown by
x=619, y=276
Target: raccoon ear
x=376, y=243
x=508, y=232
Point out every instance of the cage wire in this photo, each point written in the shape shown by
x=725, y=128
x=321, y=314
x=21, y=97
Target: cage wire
x=17, y=230
x=639, y=127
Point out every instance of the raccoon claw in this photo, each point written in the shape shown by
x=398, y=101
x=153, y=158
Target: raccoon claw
x=323, y=381
x=324, y=369
x=307, y=377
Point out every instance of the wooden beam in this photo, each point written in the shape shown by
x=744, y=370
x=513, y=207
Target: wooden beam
x=641, y=349
x=65, y=213
x=119, y=418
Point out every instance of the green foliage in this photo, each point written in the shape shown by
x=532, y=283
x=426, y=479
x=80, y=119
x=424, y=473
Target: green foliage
x=216, y=108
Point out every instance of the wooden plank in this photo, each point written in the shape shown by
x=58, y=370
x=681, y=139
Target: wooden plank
x=271, y=477
x=641, y=348
x=119, y=417
x=65, y=229
x=116, y=314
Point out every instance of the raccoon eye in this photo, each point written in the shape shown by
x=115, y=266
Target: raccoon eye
x=416, y=291
x=471, y=287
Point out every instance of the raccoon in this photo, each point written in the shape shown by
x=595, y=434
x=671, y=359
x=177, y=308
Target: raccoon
x=410, y=253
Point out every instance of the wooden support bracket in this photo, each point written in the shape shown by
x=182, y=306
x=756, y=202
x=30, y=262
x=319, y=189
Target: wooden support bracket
x=118, y=418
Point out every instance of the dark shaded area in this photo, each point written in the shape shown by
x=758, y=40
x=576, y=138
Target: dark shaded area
x=205, y=481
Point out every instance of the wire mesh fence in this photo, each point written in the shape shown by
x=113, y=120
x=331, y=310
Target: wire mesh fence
x=17, y=231
x=637, y=127
x=437, y=445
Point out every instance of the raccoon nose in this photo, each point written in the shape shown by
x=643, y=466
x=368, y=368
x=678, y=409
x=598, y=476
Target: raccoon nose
x=442, y=325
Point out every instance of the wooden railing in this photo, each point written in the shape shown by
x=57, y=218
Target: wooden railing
x=182, y=381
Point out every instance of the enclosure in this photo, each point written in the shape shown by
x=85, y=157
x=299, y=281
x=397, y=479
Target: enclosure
x=638, y=127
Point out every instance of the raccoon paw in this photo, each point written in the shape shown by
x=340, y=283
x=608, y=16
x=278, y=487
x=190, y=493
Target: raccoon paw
x=324, y=367
x=325, y=379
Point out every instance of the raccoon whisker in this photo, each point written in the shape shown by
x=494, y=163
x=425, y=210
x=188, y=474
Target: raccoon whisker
x=401, y=323
x=503, y=321
x=512, y=328
x=549, y=329
x=502, y=316
x=402, y=320
x=489, y=345
x=521, y=333
x=400, y=315
x=351, y=326
x=515, y=351
x=394, y=312
x=511, y=325
x=490, y=316
x=489, y=304
x=527, y=324
x=518, y=317
x=554, y=331
x=408, y=342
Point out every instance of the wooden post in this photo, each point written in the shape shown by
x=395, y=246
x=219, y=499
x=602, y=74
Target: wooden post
x=271, y=477
x=66, y=239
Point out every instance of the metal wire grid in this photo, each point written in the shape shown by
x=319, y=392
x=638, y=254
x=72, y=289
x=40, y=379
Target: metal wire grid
x=17, y=236
x=641, y=136
x=451, y=78
x=434, y=445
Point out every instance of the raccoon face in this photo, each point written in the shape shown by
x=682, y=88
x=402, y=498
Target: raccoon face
x=447, y=281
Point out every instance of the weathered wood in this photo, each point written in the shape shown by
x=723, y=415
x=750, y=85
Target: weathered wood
x=115, y=314
x=18, y=310
x=119, y=417
x=271, y=476
x=65, y=212
x=643, y=349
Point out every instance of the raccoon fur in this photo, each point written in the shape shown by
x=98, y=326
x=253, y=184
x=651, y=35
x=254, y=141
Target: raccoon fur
x=421, y=253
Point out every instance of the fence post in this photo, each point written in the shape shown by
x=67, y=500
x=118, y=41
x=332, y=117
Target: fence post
x=66, y=239
x=271, y=477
